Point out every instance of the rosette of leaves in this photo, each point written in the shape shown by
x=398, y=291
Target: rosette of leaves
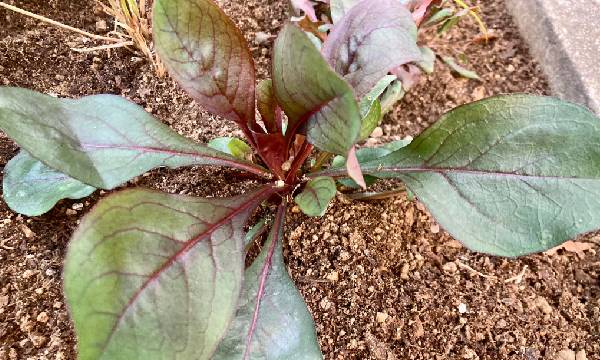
x=151, y=275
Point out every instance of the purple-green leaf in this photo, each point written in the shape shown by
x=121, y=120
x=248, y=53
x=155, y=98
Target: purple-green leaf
x=374, y=37
x=150, y=275
x=207, y=55
x=313, y=95
x=315, y=197
x=101, y=140
x=508, y=175
x=272, y=321
x=31, y=188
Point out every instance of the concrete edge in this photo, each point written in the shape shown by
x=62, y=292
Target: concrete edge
x=564, y=40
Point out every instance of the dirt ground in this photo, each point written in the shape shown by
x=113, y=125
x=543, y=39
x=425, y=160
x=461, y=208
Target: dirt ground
x=381, y=279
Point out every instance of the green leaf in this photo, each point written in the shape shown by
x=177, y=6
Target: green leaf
x=207, y=55
x=509, y=175
x=267, y=106
x=315, y=197
x=31, y=188
x=101, y=140
x=256, y=230
x=428, y=62
x=370, y=107
x=394, y=93
x=313, y=95
x=440, y=15
x=371, y=120
x=373, y=38
x=272, y=321
x=232, y=146
x=150, y=275
x=454, y=66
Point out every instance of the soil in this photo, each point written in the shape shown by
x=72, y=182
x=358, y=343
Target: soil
x=381, y=279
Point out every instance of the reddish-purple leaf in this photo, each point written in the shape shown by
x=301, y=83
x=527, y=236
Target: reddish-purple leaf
x=150, y=275
x=101, y=140
x=374, y=37
x=353, y=168
x=207, y=55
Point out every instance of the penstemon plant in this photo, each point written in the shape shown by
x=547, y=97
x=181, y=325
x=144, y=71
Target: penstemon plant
x=150, y=275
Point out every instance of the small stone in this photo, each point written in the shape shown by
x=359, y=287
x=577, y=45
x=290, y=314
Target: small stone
x=501, y=324
x=59, y=77
x=377, y=133
x=28, y=273
x=38, y=340
x=450, y=267
x=57, y=305
x=27, y=231
x=261, y=37
x=469, y=353
x=478, y=93
x=101, y=25
x=581, y=355
x=333, y=276
x=43, y=317
x=50, y=272
x=77, y=206
x=567, y=355
x=404, y=271
x=462, y=308
x=70, y=212
x=296, y=209
x=418, y=328
x=510, y=68
x=435, y=229
x=381, y=317
x=542, y=304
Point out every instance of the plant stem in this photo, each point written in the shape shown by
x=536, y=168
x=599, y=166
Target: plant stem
x=322, y=158
x=56, y=23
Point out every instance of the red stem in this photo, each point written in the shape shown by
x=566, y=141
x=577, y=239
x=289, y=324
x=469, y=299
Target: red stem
x=298, y=161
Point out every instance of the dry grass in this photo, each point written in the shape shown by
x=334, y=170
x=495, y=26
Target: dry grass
x=132, y=23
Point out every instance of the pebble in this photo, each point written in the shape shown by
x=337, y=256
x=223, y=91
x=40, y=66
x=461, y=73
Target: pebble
x=381, y=317
x=450, y=267
x=77, y=206
x=462, y=308
x=70, y=212
x=567, y=355
x=261, y=37
x=377, y=133
x=542, y=304
x=38, y=340
x=435, y=229
x=101, y=25
x=43, y=317
x=28, y=273
x=27, y=231
x=333, y=276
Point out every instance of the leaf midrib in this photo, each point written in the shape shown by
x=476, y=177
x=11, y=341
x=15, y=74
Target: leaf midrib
x=189, y=245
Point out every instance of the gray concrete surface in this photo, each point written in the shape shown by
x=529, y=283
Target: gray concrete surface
x=564, y=35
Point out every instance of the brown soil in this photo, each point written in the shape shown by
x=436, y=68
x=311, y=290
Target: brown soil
x=381, y=279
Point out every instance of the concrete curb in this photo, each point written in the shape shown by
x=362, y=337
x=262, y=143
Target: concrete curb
x=564, y=36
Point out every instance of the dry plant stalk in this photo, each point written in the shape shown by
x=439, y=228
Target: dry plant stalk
x=132, y=22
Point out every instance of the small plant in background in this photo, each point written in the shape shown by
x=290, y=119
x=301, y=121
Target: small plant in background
x=132, y=23
x=132, y=30
x=150, y=275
